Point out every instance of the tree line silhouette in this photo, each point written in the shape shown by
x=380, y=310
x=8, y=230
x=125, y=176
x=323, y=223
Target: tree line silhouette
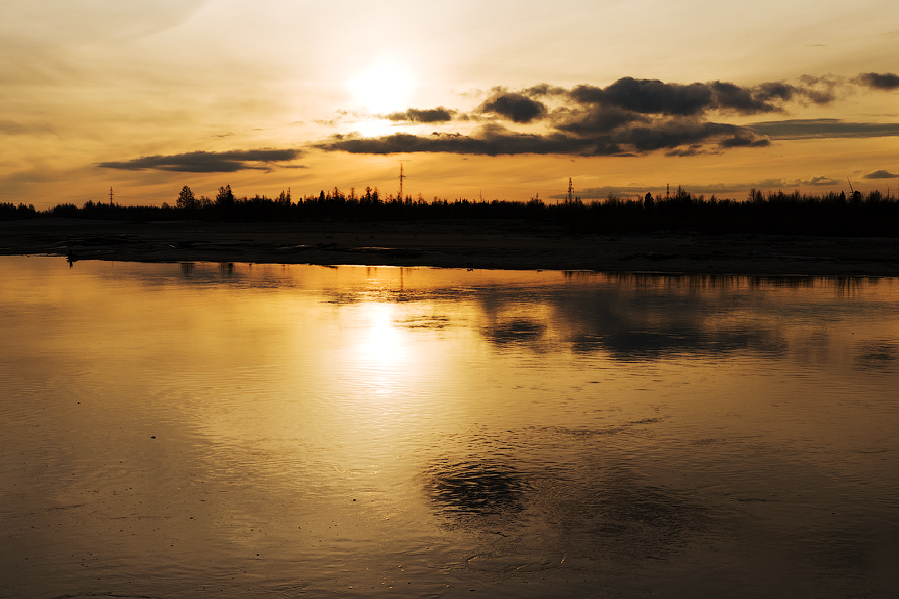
x=773, y=212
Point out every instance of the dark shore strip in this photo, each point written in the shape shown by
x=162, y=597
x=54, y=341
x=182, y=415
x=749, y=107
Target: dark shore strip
x=491, y=244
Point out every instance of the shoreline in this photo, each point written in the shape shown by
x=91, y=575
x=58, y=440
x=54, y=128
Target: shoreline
x=507, y=245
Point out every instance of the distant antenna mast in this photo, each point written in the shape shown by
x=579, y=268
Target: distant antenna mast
x=570, y=190
x=110, y=195
x=402, y=176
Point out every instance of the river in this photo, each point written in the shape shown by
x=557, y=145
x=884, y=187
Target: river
x=239, y=430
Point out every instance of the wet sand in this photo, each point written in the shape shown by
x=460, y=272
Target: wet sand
x=514, y=245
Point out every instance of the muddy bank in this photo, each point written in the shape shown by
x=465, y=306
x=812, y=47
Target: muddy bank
x=484, y=244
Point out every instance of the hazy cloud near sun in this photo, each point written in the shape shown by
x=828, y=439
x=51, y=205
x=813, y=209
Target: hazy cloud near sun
x=413, y=115
x=208, y=162
x=630, y=117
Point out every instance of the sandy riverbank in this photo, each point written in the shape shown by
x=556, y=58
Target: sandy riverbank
x=457, y=244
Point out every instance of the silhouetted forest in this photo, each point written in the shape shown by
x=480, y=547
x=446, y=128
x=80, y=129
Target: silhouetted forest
x=772, y=212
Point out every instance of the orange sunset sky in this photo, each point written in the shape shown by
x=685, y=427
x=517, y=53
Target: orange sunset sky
x=492, y=99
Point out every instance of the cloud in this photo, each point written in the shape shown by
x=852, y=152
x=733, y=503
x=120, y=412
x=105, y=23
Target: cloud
x=207, y=162
x=886, y=81
x=516, y=107
x=881, y=174
x=433, y=115
x=822, y=128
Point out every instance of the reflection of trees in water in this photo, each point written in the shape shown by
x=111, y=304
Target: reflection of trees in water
x=851, y=286
x=719, y=281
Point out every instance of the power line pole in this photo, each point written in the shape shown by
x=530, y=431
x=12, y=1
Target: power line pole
x=110, y=196
x=570, y=190
x=402, y=176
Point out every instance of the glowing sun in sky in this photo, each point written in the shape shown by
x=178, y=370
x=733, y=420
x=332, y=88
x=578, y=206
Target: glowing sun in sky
x=385, y=86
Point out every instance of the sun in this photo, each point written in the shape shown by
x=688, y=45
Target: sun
x=385, y=86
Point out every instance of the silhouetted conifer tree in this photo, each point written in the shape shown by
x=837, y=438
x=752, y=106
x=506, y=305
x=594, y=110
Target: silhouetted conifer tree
x=225, y=197
x=186, y=199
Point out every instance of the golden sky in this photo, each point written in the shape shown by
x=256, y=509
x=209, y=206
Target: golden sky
x=502, y=99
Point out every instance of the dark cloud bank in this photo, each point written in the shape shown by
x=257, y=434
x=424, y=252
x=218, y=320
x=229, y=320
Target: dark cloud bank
x=629, y=117
x=208, y=162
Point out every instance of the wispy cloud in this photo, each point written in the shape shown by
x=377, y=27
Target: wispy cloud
x=208, y=162
x=822, y=128
x=20, y=128
x=881, y=174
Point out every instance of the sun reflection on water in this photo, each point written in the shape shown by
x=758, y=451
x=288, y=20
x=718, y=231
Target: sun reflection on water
x=382, y=352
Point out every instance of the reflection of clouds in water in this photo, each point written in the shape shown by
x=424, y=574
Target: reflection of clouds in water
x=635, y=325
x=631, y=324
x=514, y=330
x=426, y=321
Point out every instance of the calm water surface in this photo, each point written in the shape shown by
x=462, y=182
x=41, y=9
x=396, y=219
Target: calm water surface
x=183, y=430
